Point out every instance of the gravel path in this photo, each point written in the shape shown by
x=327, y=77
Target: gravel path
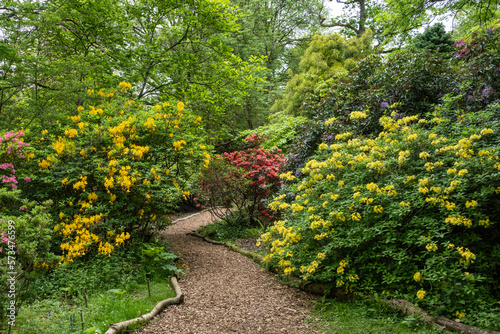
x=225, y=292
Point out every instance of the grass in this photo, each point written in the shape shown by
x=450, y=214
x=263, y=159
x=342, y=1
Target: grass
x=365, y=317
x=54, y=316
x=222, y=231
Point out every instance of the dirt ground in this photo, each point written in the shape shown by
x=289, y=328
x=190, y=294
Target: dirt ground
x=226, y=292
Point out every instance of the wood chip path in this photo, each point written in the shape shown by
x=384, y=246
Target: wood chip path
x=225, y=292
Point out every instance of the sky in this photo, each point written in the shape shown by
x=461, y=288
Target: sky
x=335, y=9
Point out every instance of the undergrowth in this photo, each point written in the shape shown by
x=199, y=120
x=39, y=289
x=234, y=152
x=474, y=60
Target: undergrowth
x=56, y=316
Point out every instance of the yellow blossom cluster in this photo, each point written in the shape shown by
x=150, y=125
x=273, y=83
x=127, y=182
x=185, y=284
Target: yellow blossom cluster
x=406, y=170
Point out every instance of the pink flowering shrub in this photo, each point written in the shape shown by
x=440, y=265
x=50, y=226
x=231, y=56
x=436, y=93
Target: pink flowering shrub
x=25, y=233
x=11, y=149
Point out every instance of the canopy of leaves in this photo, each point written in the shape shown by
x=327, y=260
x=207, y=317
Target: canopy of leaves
x=167, y=49
x=327, y=57
x=400, y=18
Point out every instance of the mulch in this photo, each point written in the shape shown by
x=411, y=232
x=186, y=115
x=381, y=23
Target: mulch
x=226, y=292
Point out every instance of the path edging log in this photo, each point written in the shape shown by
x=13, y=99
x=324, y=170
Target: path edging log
x=404, y=306
x=178, y=299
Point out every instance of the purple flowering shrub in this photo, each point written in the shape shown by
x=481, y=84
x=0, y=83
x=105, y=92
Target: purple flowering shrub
x=479, y=74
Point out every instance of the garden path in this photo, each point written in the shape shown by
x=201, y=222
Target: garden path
x=226, y=292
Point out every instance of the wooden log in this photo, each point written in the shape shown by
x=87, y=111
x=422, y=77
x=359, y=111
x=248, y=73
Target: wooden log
x=459, y=327
x=196, y=234
x=179, y=298
x=409, y=309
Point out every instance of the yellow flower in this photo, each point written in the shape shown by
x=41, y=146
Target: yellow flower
x=330, y=121
x=424, y=155
x=150, y=123
x=431, y=247
x=180, y=106
x=124, y=86
x=471, y=204
x=59, y=145
x=417, y=277
x=71, y=133
x=486, y=131
x=321, y=255
x=462, y=172
x=460, y=315
x=378, y=209
x=358, y=115
x=44, y=164
x=420, y=294
x=178, y=144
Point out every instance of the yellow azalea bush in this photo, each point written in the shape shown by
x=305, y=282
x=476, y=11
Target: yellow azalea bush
x=114, y=169
x=413, y=211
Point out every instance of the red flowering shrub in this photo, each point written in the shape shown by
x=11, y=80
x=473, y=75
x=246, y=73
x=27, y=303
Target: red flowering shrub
x=242, y=181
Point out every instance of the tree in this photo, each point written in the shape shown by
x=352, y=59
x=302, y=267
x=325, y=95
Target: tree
x=403, y=17
x=277, y=30
x=357, y=17
x=327, y=57
x=167, y=49
x=434, y=38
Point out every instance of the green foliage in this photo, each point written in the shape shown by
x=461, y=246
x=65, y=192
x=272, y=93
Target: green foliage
x=114, y=170
x=412, y=212
x=278, y=30
x=158, y=262
x=327, y=57
x=478, y=61
x=105, y=307
x=167, y=51
x=434, y=38
x=280, y=132
x=224, y=230
x=126, y=268
x=357, y=17
x=399, y=19
x=415, y=80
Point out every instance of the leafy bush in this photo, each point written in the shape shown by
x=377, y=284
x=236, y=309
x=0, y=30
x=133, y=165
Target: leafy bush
x=25, y=231
x=127, y=267
x=412, y=212
x=280, y=132
x=478, y=64
x=114, y=170
x=243, y=181
x=414, y=80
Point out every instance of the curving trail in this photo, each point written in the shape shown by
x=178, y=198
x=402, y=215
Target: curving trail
x=226, y=292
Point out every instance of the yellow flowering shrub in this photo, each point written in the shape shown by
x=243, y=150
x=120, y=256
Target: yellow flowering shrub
x=119, y=174
x=414, y=209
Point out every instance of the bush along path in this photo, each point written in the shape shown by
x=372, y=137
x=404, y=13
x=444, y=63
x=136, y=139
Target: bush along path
x=226, y=292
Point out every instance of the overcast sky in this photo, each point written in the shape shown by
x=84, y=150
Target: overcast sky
x=335, y=9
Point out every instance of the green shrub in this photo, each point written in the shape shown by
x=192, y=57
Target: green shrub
x=114, y=170
x=413, y=212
